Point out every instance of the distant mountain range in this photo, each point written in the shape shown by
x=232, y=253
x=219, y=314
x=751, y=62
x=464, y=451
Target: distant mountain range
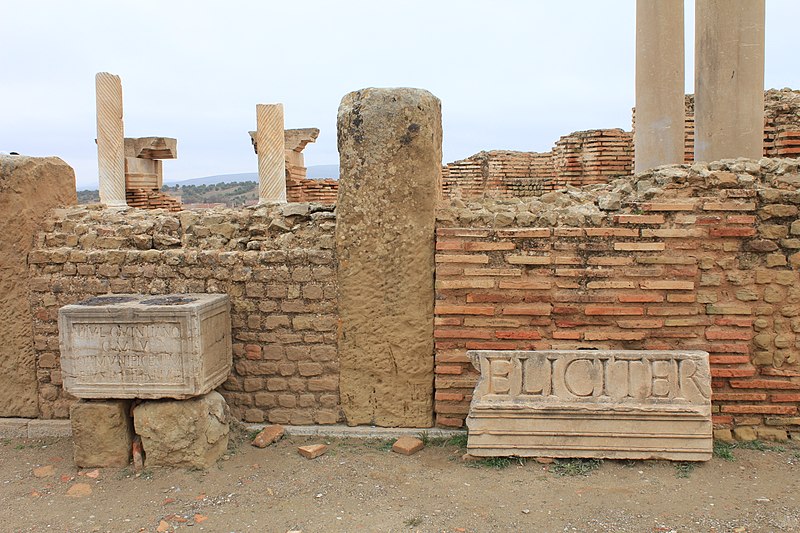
x=314, y=171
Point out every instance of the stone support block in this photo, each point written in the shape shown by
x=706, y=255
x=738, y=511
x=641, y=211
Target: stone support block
x=187, y=433
x=102, y=433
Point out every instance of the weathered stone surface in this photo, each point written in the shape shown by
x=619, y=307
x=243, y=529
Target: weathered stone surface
x=102, y=433
x=137, y=346
x=29, y=187
x=407, y=445
x=268, y=435
x=312, y=451
x=188, y=433
x=390, y=161
x=617, y=404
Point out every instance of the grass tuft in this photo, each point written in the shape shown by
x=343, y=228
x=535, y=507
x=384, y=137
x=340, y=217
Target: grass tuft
x=723, y=450
x=683, y=469
x=575, y=467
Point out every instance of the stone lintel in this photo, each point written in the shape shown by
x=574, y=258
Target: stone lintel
x=295, y=140
x=151, y=147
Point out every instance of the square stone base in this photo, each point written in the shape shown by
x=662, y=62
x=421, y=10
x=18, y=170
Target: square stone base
x=102, y=432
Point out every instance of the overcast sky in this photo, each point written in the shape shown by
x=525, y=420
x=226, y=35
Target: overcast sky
x=510, y=74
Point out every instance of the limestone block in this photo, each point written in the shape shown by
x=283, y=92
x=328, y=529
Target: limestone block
x=29, y=187
x=102, y=432
x=614, y=404
x=188, y=433
x=136, y=346
x=390, y=160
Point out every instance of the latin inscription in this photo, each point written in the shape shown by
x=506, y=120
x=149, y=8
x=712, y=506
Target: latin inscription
x=650, y=377
x=127, y=353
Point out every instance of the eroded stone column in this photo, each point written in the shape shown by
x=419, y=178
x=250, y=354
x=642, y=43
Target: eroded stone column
x=729, y=79
x=271, y=158
x=658, y=137
x=110, y=140
x=390, y=150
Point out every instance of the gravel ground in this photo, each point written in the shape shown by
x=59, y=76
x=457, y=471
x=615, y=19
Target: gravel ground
x=359, y=485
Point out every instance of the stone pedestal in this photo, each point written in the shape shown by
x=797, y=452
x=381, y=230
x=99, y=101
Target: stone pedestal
x=110, y=140
x=659, y=130
x=137, y=346
x=271, y=159
x=188, y=433
x=613, y=404
x=102, y=432
x=729, y=79
x=390, y=146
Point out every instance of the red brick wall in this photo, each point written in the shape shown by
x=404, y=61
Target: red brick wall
x=709, y=264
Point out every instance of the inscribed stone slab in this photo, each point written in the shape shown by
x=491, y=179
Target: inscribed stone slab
x=617, y=404
x=136, y=346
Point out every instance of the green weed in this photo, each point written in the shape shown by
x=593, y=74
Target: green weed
x=683, y=469
x=575, y=467
x=723, y=450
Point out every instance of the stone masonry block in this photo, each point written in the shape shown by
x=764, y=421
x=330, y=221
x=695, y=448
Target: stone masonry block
x=187, y=433
x=102, y=432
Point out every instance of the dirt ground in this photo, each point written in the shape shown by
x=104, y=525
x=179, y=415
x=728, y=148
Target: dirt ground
x=360, y=485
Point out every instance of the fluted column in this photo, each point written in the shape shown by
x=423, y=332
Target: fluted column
x=110, y=140
x=659, y=133
x=729, y=79
x=271, y=158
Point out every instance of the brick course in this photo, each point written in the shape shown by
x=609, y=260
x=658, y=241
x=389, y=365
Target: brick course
x=698, y=275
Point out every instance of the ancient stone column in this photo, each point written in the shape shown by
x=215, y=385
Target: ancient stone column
x=271, y=157
x=658, y=137
x=729, y=79
x=390, y=150
x=110, y=140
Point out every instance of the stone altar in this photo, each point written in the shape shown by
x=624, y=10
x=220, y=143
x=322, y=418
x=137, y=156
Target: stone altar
x=615, y=404
x=136, y=346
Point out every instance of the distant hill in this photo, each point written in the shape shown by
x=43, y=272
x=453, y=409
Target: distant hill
x=314, y=171
x=230, y=189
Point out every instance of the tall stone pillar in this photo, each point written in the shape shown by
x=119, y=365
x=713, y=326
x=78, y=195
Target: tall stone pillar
x=271, y=157
x=658, y=137
x=390, y=150
x=729, y=79
x=110, y=140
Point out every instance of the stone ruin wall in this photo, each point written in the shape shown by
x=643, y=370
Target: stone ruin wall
x=595, y=156
x=702, y=257
x=29, y=187
x=692, y=257
x=276, y=263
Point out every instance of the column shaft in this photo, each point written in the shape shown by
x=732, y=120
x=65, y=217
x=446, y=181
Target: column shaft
x=729, y=79
x=659, y=131
x=271, y=158
x=110, y=139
